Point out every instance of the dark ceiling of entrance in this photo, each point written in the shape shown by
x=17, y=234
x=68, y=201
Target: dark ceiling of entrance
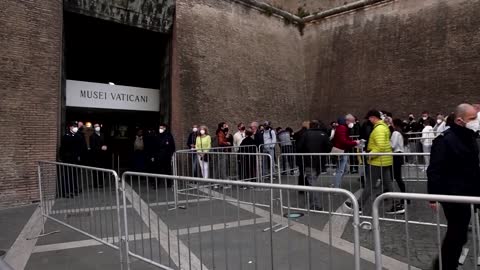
x=102, y=51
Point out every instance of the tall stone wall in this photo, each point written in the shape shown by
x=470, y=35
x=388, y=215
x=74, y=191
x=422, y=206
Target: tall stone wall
x=310, y=6
x=403, y=56
x=30, y=56
x=235, y=64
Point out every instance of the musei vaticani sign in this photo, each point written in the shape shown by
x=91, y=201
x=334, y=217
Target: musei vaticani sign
x=106, y=96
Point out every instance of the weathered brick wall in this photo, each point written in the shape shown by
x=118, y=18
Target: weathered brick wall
x=403, y=56
x=235, y=64
x=310, y=6
x=30, y=50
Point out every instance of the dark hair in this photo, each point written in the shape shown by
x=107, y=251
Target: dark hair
x=278, y=129
x=314, y=124
x=450, y=119
x=220, y=126
x=289, y=129
x=398, y=126
x=248, y=132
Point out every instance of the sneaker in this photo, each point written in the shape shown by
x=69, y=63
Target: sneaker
x=397, y=209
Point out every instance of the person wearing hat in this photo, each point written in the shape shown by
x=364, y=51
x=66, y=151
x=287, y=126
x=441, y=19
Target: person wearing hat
x=379, y=166
x=70, y=152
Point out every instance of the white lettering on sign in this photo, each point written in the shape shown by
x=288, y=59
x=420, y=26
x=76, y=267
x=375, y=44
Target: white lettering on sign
x=106, y=96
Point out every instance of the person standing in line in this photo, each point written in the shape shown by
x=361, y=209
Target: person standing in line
x=163, y=146
x=299, y=160
x=314, y=140
x=269, y=140
x=440, y=125
x=139, y=157
x=247, y=166
x=286, y=147
x=454, y=170
x=398, y=146
x=239, y=136
x=342, y=142
x=223, y=141
x=203, y=144
x=380, y=166
x=427, y=138
x=257, y=133
x=191, y=141
x=70, y=152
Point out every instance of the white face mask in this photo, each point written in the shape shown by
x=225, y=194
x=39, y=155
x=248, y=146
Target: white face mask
x=161, y=130
x=350, y=125
x=97, y=129
x=439, y=121
x=74, y=130
x=202, y=132
x=194, y=129
x=424, y=118
x=473, y=125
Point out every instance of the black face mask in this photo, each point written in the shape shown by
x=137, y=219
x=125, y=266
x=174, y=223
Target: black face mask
x=225, y=129
x=242, y=128
x=410, y=118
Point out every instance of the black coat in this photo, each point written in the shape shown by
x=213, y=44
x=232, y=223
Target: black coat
x=192, y=139
x=454, y=163
x=71, y=148
x=161, y=147
x=314, y=141
x=258, y=137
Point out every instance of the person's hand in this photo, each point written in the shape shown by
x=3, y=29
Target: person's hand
x=357, y=142
x=434, y=206
x=152, y=159
x=104, y=148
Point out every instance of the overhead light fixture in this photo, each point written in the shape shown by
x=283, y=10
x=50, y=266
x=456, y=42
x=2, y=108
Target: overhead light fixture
x=111, y=83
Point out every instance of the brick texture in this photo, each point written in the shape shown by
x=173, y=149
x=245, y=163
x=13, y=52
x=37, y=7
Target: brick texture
x=401, y=56
x=235, y=64
x=310, y=6
x=30, y=50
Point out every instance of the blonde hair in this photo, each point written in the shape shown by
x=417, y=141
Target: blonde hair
x=205, y=128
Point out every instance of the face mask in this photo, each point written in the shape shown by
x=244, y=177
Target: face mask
x=161, y=130
x=242, y=129
x=202, y=132
x=424, y=118
x=350, y=125
x=74, y=130
x=97, y=129
x=195, y=129
x=225, y=129
x=473, y=125
x=439, y=121
x=410, y=118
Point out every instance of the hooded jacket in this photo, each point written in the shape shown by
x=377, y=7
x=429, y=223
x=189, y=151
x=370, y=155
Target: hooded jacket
x=379, y=142
x=341, y=139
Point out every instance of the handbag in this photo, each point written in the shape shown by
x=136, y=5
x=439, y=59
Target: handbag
x=336, y=150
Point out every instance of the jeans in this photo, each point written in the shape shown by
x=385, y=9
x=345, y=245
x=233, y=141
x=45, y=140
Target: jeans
x=426, y=149
x=313, y=178
x=203, y=167
x=397, y=172
x=375, y=173
x=342, y=165
x=266, y=162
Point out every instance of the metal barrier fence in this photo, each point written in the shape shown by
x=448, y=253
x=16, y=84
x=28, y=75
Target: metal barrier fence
x=223, y=228
x=365, y=181
x=277, y=149
x=84, y=199
x=418, y=245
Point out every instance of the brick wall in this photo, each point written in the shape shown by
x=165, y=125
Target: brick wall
x=310, y=6
x=30, y=50
x=235, y=64
x=402, y=56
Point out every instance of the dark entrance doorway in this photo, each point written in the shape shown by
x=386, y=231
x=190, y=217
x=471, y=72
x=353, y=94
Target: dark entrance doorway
x=105, y=52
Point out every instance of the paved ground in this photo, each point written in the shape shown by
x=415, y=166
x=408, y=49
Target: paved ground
x=220, y=233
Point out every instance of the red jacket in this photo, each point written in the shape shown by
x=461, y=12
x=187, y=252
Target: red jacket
x=341, y=140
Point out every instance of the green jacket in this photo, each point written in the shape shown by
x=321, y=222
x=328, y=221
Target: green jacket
x=379, y=142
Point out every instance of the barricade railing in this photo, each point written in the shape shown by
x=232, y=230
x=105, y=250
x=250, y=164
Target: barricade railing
x=366, y=182
x=223, y=229
x=236, y=166
x=275, y=150
x=84, y=199
x=418, y=245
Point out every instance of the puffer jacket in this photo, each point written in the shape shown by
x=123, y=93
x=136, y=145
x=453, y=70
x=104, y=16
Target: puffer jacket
x=379, y=142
